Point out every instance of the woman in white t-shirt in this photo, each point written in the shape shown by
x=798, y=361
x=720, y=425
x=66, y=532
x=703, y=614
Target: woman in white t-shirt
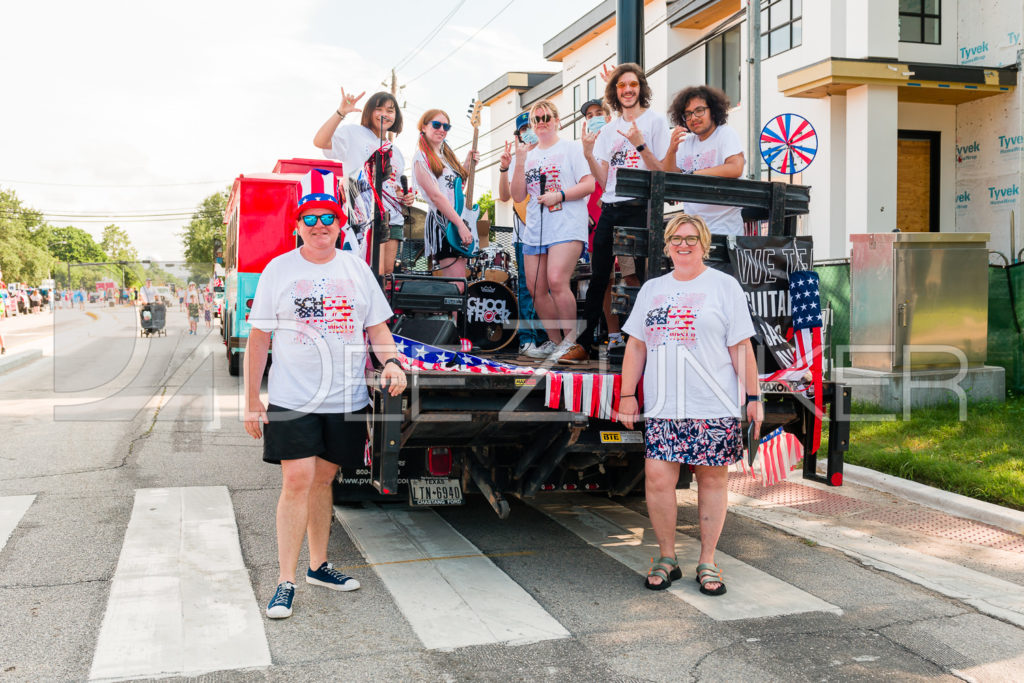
x=435, y=169
x=353, y=145
x=556, y=178
x=689, y=338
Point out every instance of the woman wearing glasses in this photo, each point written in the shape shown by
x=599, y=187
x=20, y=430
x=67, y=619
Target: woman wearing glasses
x=702, y=143
x=353, y=145
x=435, y=169
x=558, y=181
x=689, y=338
x=638, y=138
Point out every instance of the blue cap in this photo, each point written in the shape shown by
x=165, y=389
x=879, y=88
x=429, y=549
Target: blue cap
x=523, y=120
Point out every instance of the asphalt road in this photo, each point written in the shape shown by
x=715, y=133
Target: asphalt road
x=91, y=436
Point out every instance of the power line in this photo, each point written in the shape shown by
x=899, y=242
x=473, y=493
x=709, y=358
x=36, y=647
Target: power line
x=430, y=36
x=463, y=44
x=35, y=182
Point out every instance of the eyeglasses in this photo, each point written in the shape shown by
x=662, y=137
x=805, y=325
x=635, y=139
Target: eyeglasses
x=678, y=240
x=326, y=219
x=438, y=126
x=699, y=111
x=622, y=85
x=543, y=118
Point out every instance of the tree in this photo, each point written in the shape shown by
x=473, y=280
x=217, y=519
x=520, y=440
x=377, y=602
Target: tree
x=118, y=245
x=486, y=204
x=69, y=244
x=22, y=259
x=207, y=223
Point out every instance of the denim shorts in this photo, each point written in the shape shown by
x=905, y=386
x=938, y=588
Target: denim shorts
x=531, y=250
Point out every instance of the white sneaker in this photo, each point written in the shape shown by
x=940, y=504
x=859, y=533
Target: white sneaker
x=543, y=351
x=527, y=348
x=616, y=343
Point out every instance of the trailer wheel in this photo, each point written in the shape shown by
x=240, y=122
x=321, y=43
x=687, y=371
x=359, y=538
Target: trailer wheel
x=233, y=358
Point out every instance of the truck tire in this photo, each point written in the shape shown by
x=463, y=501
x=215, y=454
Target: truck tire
x=234, y=360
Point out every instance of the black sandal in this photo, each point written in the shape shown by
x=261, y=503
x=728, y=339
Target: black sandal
x=710, y=573
x=666, y=569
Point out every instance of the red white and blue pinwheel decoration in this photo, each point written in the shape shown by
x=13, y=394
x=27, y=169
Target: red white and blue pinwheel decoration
x=788, y=143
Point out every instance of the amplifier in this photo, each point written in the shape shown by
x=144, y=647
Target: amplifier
x=433, y=331
x=424, y=293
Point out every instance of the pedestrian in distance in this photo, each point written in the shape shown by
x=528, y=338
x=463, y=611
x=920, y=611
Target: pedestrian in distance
x=318, y=302
x=192, y=303
x=208, y=313
x=689, y=340
x=637, y=138
x=557, y=180
x=354, y=145
x=703, y=143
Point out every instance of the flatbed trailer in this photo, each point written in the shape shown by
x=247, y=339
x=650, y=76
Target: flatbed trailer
x=457, y=432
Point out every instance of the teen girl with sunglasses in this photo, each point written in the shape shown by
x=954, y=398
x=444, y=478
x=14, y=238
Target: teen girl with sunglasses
x=434, y=169
x=353, y=145
x=556, y=221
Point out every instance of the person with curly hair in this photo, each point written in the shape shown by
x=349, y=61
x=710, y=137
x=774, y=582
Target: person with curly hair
x=637, y=138
x=703, y=143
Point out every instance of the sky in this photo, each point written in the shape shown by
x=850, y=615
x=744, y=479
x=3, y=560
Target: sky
x=135, y=108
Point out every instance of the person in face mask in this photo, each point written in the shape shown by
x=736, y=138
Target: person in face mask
x=596, y=113
x=533, y=341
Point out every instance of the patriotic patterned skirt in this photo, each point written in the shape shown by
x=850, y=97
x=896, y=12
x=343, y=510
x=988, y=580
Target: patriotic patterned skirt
x=715, y=441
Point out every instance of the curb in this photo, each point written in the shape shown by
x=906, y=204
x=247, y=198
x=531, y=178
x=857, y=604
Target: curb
x=17, y=360
x=944, y=501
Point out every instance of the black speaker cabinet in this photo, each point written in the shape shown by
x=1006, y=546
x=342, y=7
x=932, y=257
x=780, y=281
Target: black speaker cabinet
x=433, y=331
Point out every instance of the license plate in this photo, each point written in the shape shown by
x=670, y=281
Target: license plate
x=435, y=492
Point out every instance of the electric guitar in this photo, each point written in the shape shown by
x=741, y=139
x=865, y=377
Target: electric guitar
x=464, y=205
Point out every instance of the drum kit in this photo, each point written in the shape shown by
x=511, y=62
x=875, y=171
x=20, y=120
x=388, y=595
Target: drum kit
x=492, y=307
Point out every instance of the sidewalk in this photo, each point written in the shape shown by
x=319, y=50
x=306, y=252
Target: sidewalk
x=975, y=563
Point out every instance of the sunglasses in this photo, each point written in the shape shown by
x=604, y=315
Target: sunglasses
x=622, y=85
x=543, y=118
x=698, y=112
x=678, y=240
x=326, y=219
x=437, y=125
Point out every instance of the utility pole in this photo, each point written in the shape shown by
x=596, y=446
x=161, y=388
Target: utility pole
x=394, y=89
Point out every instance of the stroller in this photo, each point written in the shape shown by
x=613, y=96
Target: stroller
x=153, y=318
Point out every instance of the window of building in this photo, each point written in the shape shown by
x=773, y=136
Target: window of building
x=577, y=127
x=722, y=63
x=781, y=27
x=591, y=88
x=920, y=21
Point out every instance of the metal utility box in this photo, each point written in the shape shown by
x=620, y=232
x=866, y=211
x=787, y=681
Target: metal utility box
x=916, y=295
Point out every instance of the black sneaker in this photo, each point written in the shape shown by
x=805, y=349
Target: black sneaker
x=330, y=577
x=280, y=605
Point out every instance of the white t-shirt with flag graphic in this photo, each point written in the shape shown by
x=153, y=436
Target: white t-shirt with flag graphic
x=695, y=154
x=352, y=145
x=563, y=166
x=317, y=313
x=688, y=328
x=613, y=148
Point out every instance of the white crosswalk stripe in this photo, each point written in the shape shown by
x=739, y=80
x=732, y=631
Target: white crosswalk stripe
x=181, y=602
x=629, y=538
x=449, y=603
x=12, y=509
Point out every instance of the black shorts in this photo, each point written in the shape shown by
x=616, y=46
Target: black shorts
x=335, y=437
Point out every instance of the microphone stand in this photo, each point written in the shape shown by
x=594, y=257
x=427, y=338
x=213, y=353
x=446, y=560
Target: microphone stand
x=378, y=212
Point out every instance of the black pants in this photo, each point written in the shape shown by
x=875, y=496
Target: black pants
x=602, y=261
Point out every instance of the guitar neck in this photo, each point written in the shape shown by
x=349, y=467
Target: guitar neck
x=472, y=169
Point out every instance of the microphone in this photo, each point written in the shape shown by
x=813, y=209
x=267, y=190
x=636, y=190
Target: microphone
x=543, y=182
x=405, y=183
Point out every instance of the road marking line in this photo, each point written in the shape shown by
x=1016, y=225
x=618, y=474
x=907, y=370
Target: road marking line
x=629, y=538
x=12, y=509
x=988, y=594
x=517, y=553
x=464, y=601
x=181, y=602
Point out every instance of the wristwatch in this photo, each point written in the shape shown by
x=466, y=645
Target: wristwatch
x=753, y=398
x=395, y=361
x=641, y=147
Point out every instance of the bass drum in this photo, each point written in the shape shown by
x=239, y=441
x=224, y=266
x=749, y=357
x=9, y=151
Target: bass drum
x=492, y=315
